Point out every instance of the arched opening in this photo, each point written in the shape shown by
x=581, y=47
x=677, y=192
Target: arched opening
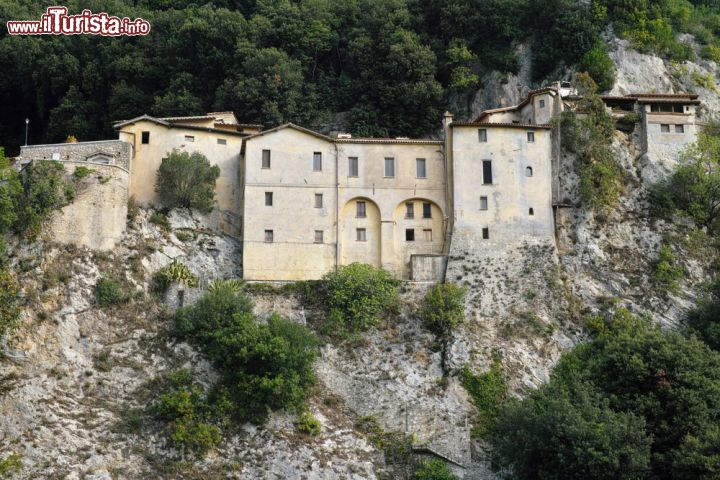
x=528, y=172
x=419, y=228
x=99, y=158
x=360, y=232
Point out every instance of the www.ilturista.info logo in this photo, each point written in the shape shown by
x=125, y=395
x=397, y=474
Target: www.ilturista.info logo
x=56, y=21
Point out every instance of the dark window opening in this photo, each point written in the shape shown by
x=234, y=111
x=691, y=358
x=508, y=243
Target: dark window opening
x=409, y=235
x=427, y=210
x=528, y=172
x=145, y=138
x=531, y=211
x=485, y=233
x=317, y=161
x=409, y=210
x=482, y=135
x=266, y=159
x=268, y=199
x=361, y=210
x=353, y=166
x=487, y=172
x=269, y=236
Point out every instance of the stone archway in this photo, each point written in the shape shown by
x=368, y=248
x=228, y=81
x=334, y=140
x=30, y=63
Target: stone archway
x=360, y=232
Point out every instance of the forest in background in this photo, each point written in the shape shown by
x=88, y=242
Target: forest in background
x=390, y=67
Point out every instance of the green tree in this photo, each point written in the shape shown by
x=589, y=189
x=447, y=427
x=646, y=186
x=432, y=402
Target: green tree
x=264, y=366
x=187, y=180
x=631, y=403
x=43, y=191
x=356, y=295
x=693, y=190
x=443, y=308
x=11, y=191
x=433, y=470
x=598, y=64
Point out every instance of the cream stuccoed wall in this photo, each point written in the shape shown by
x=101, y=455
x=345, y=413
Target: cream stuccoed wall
x=511, y=194
x=389, y=195
x=163, y=139
x=293, y=218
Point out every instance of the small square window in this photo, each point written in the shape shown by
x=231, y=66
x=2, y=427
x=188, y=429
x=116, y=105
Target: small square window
x=485, y=233
x=679, y=129
x=427, y=210
x=318, y=200
x=483, y=203
x=268, y=199
x=221, y=141
x=409, y=234
x=361, y=212
x=268, y=236
x=542, y=103
x=420, y=168
x=353, y=166
x=531, y=137
x=427, y=234
x=317, y=162
x=145, y=138
x=361, y=235
x=189, y=138
x=665, y=128
x=409, y=210
x=266, y=159
x=318, y=236
x=482, y=135
x=389, y=167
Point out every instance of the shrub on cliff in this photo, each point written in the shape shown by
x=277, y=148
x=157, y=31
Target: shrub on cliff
x=43, y=190
x=443, y=308
x=9, y=308
x=263, y=366
x=356, y=295
x=636, y=401
x=187, y=180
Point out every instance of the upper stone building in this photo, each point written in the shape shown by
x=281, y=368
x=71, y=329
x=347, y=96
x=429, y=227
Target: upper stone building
x=304, y=203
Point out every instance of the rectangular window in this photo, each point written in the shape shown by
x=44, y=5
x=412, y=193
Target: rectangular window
x=420, y=168
x=145, y=138
x=665, y=128
x=427, y=234
x=409, y=235
x=268, y=199
x=353, y=166
x=427, y=210
x=483, y=203
x=409, y=210
x=487, y=172
x=268, y=236
x=361, y=235
x=542, y=103
x=361, y=212
x=318, y=236
x=189, y=138
x=482, y=135
x=389, y=167
x=317, y=162
x=679, y=129
x=266, y=159
x=318, y=200
x=485, y=233
x=221, y=141
x=531, y=137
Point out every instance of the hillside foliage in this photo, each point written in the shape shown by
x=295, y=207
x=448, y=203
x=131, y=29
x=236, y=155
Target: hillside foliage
x=390, y=66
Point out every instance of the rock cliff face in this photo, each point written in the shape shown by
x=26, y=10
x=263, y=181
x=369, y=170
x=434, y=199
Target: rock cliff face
x=74, y=376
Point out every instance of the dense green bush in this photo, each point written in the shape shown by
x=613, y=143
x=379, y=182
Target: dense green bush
x=590, y=138
x=307, y=423
x=356, y=295
x=693, y=190
x=192, y=417
x=264, y=366
x=667, y=272
x=443, y=308
x=704, y=319
x=187, y=180
x=433, y=470
x=488, y=391
x=9, y=303
x=598, y=64
x=109, y=292
x=634, y=402
x=43, y=190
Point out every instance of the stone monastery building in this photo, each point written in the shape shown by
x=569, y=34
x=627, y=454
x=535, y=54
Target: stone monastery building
x=303, y=203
